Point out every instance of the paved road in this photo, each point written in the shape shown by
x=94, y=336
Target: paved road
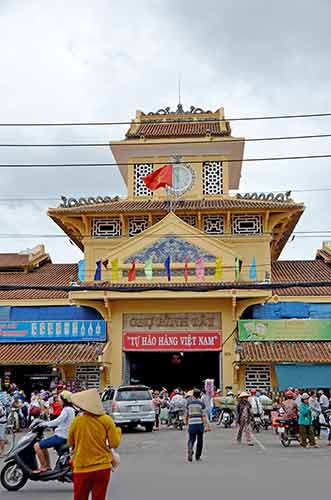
x=154, y=467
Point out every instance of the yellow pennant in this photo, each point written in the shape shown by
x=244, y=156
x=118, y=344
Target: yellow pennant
x=218, y=269
x=114, y=270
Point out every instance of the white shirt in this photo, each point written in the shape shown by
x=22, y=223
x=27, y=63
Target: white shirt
x=324, y=401
x=63, y=422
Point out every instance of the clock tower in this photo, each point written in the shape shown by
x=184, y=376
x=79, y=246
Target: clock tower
x=206, y=158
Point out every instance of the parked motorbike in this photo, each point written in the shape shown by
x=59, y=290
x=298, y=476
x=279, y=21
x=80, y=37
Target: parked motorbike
x=21, y=462
x=288, y=431
x=226, y=418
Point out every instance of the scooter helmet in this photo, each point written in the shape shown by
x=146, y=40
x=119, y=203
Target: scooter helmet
x=289, y=394
x=66, y=396
x=253, y=392
x=304, y=396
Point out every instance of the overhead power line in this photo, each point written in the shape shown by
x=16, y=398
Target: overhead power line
x=198, y=287
x=57, y=197
x=154, y=143
x=102, y=165
x=199, y=120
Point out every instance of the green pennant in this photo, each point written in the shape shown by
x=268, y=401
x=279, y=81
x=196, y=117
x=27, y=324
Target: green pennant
x=148, y=268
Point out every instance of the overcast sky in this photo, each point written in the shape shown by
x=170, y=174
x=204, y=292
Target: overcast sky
x=100, y=60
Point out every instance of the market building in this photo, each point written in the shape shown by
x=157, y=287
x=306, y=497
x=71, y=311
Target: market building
x=164, y=269
x=43, y=336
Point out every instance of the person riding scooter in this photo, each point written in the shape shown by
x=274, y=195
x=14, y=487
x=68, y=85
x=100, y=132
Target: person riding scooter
x=61, y=425
x=177, y=406
x=227, y=414
x=256, y=405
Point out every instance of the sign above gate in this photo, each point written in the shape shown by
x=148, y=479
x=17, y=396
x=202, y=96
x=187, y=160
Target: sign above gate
x=172, y=332
x=158, y=322
x=172, y=341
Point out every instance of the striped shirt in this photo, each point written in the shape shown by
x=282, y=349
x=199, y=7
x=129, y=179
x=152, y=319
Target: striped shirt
x=195, y=411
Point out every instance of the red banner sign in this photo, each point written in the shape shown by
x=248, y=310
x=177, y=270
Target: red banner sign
x=172, y=341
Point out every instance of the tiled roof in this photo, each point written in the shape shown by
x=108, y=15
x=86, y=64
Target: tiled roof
x=163, y=206
x=301, y=270
x=48, y=274
x=179, y=129
x=49, y=353
x=280, y=352
x=13, y=260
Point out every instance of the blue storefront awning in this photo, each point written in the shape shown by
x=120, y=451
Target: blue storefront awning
x=303, y=375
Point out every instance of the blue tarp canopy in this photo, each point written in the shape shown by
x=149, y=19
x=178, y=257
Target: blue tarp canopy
x=303, y=376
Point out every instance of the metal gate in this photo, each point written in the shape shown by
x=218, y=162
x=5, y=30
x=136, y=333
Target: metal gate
x=258, y=376
x=89, y=376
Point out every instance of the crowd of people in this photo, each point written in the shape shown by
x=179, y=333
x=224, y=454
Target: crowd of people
x=91, y=436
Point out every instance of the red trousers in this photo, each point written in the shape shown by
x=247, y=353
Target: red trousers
x=91, y=482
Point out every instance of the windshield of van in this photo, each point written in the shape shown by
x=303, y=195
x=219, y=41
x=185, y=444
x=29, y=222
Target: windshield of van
x=133, y=395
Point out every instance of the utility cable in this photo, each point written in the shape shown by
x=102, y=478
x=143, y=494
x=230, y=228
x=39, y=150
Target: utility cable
x=95, y=165
x=57, y=197
x=157, y=121
x=197, y=287
x=154, y=143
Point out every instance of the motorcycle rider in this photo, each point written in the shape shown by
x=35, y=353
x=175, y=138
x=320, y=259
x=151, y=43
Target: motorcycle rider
x=291, y=409
x=230, y=401
x=61, y=424
x=256, y=405
x=177, y=404
x=3, y=422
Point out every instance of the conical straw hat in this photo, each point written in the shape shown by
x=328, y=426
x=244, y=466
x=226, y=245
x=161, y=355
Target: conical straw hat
x=89, y=401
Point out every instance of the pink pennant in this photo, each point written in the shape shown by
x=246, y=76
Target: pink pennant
x=200, y=269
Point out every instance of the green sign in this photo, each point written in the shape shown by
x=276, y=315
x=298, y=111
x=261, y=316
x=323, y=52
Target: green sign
x=284, y=329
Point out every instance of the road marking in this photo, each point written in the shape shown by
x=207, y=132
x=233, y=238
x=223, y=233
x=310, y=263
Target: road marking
x=258, y=442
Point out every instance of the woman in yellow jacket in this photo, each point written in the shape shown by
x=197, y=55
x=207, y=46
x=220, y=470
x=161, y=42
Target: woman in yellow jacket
x=92, y=435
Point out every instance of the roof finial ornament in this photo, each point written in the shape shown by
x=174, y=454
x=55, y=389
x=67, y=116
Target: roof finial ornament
x=180, y=106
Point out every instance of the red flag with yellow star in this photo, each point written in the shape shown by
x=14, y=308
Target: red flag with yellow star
x=161, y=177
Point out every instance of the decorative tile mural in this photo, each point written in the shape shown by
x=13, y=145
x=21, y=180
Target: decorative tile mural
x=177, y=248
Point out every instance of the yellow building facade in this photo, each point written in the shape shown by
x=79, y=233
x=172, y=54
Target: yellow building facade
x=178, y=329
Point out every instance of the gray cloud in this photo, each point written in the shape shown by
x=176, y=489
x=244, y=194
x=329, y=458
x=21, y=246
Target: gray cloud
x=100, y=61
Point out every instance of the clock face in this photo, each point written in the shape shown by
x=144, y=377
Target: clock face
x=182, y=178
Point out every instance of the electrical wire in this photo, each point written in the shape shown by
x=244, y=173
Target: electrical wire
x=197, y=287
x=163, y=117
x=96, y=165
x=109, y=144
x=57, y=197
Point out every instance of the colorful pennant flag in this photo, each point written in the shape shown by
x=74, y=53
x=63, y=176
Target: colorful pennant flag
x=167, y=268
x=252, y=270
x=132, y=274
x=186, y=270
x=114, y=269
x=97, y=275
x=148, y=268
x=237, y=268
x=161, y=177
x=218, y=269
x=200, y=269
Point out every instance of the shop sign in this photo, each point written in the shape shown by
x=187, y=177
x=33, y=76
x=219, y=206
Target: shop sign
x=53, y=331
x=172, y=341
x=158, y=322
x=284, y=329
